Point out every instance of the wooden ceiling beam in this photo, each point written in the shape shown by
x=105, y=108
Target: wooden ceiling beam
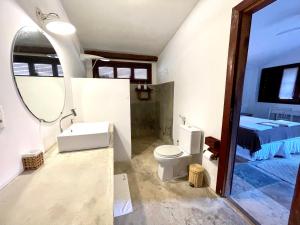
x=124, y=56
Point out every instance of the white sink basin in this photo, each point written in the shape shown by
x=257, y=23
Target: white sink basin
x=83, y=136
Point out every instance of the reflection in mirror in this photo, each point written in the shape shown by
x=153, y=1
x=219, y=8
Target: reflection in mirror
x=38, y=74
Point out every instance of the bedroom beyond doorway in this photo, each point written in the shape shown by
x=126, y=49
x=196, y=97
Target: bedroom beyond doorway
x=267, y=153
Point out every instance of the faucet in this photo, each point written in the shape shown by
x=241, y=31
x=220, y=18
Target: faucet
x=73, y=113
x=183, y=118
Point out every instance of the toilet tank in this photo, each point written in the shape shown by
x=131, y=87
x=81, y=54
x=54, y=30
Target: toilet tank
x=189, y=139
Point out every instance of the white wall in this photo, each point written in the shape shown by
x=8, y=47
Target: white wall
x=250, y=102
x=269, y=48
x=106, y=100
x=196, y=60
x=23, y=132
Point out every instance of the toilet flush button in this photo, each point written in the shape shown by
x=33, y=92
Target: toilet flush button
x=1, y=117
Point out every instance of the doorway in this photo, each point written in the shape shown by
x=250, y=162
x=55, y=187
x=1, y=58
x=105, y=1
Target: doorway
x=229, y=167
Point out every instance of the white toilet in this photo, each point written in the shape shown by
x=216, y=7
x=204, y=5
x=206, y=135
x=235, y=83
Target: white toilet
x=173, y=160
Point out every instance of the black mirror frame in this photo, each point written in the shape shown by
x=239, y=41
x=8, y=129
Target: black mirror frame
x=41, y=120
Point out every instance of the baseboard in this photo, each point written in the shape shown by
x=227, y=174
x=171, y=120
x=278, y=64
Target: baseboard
x=12, y=178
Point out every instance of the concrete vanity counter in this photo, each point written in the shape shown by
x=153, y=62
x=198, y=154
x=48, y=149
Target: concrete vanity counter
x=72, y=188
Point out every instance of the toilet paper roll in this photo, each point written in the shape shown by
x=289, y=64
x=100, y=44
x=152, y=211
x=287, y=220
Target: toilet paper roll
x=207, y=155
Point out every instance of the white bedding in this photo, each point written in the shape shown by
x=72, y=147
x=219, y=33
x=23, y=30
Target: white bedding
x=260, y=124
x=252, y=123
x=287, y=123
x=283, y=148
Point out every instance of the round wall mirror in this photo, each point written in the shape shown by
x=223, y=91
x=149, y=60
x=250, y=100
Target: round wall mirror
x=38, y=74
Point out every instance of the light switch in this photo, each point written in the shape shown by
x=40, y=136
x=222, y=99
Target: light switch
x=1, y=117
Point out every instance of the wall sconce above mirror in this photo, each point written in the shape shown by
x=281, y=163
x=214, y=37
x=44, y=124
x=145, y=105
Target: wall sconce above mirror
x=38, y=74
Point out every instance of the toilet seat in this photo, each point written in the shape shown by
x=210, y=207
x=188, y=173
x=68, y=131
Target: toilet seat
x=168, y=151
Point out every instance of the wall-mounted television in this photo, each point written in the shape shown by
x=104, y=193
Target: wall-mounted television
x=280, y=84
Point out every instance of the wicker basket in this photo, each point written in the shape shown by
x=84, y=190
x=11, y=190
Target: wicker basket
x=196, y=175
x=32, y=161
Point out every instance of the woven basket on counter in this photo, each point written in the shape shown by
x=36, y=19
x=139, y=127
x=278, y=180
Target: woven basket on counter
x=33, y=161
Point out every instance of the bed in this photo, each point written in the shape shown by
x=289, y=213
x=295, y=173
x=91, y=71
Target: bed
x=260, y=139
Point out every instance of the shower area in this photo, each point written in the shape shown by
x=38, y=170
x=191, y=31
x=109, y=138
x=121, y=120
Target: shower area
x=152, y=118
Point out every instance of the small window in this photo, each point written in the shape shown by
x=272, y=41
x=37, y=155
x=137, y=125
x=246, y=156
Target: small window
x=106, y=72
x=288, y=83
x=21, y=69
x=140, y=74
x=123, y=72
x=136, y=72
x=60, y=71
x=43, y=69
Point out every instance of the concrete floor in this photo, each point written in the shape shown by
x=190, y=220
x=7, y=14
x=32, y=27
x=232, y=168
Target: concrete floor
x=159, y=203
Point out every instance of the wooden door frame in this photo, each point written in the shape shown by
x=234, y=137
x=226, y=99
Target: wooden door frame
x=237, y=60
